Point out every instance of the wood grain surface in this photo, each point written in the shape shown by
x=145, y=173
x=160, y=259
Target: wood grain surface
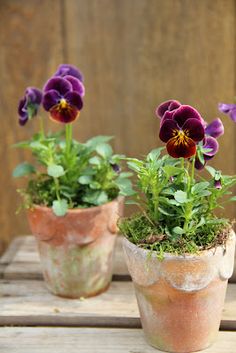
x=29, y=303
x=104, y=340
x=134, y=54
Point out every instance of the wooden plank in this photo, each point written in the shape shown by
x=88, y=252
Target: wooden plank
x=90, y=340
x=29, y=303
x=26, y=263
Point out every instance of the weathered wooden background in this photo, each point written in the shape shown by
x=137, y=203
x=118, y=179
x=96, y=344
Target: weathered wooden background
x=133, y=53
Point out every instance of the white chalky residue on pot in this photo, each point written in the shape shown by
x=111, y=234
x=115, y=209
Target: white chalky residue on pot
x=146, y=269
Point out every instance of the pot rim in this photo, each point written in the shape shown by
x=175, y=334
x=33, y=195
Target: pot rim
x=187, y=256
x=118, y=199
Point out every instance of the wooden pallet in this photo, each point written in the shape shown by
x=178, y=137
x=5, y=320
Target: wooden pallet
x=106, y=323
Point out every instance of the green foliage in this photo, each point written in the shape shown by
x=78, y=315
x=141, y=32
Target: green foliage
x=69, y=175
x=175, y=203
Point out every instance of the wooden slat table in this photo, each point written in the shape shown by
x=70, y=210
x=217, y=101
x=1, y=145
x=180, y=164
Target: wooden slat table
x=35, y=321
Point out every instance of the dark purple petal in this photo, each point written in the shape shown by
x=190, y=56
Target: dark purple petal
x=217, y=184
x=215, y=128
x=225, y=108
x=115, y=167
x=67, y=69
x=58, y=84
x=22, y=108
x=23, y=121
x=232, y=114
x=193, y=128
x=50, y=99
x=33, y=95
x=181, y=148
x=167, y=116
x=198, y=164
x=168, y=105
x=184, y=113
x=74, y=99
x=77, y=85
x=167, y=130
x=211, y=143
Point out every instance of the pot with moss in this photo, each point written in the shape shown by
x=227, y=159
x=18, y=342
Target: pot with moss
x=75, y=191
x=180, y=256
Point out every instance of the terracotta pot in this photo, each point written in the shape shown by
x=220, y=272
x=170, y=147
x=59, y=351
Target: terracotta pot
x=76, y=250
x=180, y=298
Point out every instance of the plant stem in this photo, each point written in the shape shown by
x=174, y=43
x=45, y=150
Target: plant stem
x=41, y=127
x=188, y=209
x=68, y=138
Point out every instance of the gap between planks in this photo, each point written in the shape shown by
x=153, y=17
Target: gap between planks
x=90, y=340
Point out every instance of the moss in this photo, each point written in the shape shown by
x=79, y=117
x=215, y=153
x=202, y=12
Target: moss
x=142, y=231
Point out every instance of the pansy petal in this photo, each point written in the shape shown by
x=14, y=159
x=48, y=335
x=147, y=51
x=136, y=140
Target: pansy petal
x=73, y=98
x=184, y=113
x=193, y=128
x=167, y=130
x=198, y=164
x=22, y=108
x=77, y=85
x=67, y=69
x=232, y=114
x=211, y=143
x=50, y=99
x=65, y=116
x=58, y=84
x=34, y=95
x=178, y=149
x=225, y=108
x=215, y=128
x=168, y=105
x=23, y=121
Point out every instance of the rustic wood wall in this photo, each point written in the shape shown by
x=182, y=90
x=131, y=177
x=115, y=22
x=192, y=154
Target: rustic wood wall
x=134, y=54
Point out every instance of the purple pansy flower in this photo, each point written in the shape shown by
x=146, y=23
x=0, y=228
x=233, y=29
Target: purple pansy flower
x=169, y=106
x=67, y=69
x=29, y=104
x=229, y=109
x=210, y=145
x=62, y=98
x=182, y=129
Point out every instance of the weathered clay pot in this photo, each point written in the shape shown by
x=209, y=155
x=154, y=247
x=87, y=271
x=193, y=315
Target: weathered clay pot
x=76, y=250
x=180, y=298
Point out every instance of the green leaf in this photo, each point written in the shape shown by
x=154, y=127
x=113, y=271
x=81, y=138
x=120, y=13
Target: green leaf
x=23, y=169
x=95, y=160
x=204, y=193
x=232, y=198
x=165, y=212
x=178, y=230
x=199, y=187
x=37, y=145
x=134, y=164
x=104, y=150
x=55, y=171
x=60, y=207
x=125, y=175
x=97, y=140
x=131, y=202
x=85, y=179
x=96, y=197
x=95, y=185
x=211, y=170
x=125, y=187
x=154, y=154
x=181, y=196
x=171, y=170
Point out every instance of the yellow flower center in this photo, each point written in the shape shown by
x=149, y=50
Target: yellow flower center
x=63, y=104
x=181, y=137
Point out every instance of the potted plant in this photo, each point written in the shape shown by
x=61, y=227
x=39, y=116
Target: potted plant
x=74, y=193
x=179, y=254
